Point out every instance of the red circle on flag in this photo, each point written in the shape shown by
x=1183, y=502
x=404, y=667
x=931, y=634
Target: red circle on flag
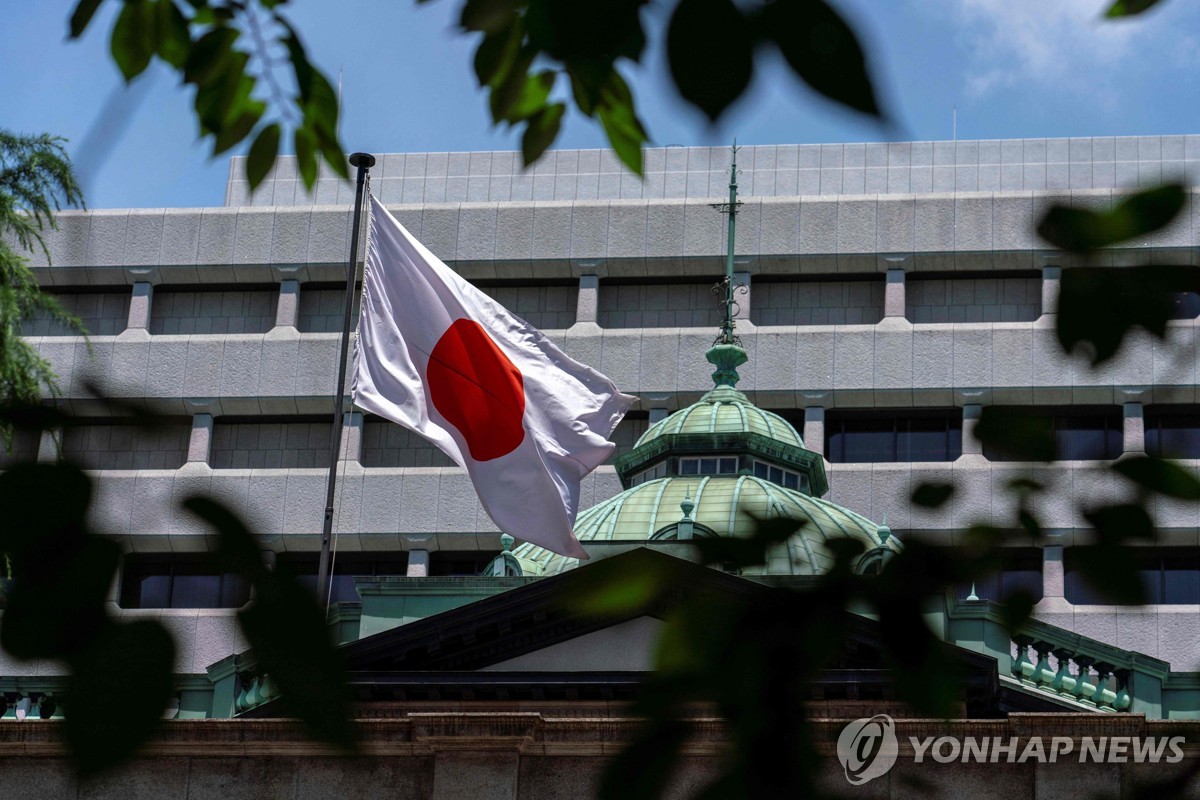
x=475, y=387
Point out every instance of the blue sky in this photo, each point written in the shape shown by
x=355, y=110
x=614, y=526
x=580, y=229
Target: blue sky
x=1013, y=68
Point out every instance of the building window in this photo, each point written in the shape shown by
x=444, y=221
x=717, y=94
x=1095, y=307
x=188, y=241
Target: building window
x=1169, y=577
x=180, y=583
x=708, y=466
x=857, y=438
x=345, y=569
x=449, y=563
x=659, y=470
x=1080, y=434
x=786, y=478
x=1173, y=431
x=1022, y=572
x=1186, y=305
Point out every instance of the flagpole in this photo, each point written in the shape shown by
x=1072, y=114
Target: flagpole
x=364, y=162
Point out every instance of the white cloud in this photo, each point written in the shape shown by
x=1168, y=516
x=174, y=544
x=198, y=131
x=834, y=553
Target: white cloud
x=1066, y=43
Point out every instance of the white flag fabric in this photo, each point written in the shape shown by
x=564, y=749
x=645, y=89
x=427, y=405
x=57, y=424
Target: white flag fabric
x=441, y=358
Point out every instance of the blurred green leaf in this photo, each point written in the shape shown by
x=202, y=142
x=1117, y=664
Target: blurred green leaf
x=625, y=132
x=1117, y=523
x=602, y=593
x=541, y=131
x=752, y=550
x=81, y=17
x=262, y=155
x=495, y=55
x=1130, y=8
x=39, y=501
x=59, y=598
x=286, y=630
x=1111, y=573
x=489, y=16
x=641, y=769
x=1080, y=230
x=120, y=685
x=1018, y=433
x=1099, y=306
x=532, y=99
x=306, y=155
x=174, y=39
x=710, y=50
x=932, y=495
x=1029, y=523
x=576, y=33
x=1160, y=475
x=133, y=38
x=823, y=50
x=207, y=56
x=1017, y=609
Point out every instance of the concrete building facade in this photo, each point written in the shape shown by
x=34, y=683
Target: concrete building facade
x=893, y=291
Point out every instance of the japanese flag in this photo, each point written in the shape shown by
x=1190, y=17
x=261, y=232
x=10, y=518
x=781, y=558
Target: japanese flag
x=441, y=358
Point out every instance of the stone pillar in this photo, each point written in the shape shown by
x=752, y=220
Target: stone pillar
x=893, y=294
x=287, y=312
x=742, y=301
x=1051, y=278
x=418, y=564
x=589, y=299
x=1134, y=429
x=970, y=445
x=200, y=442
x=814, y=429
x=1054, y=580
x=352, y=437
x=48, y=446
x=139, y=306
x=658, y=415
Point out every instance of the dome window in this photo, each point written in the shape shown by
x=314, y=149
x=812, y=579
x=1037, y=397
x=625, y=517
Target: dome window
x=708, y=466
x=786, y=478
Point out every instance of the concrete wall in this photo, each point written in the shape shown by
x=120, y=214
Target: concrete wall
x=127, y=447
x=766, y=171
x=690, y=305
x=102, y=314
x=186, y=311
x=614, y=239
x=514, y=754
x=818, y=302
x=974, y=299
x=270, y=445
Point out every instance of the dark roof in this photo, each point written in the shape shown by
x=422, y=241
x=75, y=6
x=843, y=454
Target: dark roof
x=439, y=657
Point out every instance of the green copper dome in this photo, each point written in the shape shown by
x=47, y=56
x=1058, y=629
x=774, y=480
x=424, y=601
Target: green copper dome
x=724, y=410
x=723, y=506
x=712, y=469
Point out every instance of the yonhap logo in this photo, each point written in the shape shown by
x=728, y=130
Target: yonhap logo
x=867, y=748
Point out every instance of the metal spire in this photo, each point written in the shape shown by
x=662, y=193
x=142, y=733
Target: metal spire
x=726, y=287
x=727, y=353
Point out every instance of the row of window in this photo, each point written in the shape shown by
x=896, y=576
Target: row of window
x=724, y=465
x=182, y=582
x=1170, y=577
x=1082, y=433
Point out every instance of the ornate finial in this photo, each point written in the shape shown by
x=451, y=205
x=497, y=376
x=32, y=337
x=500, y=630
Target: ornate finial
x=687, y=505
x=506, y=542
x=726, y=358
x=972, y=596
x=883, y=531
